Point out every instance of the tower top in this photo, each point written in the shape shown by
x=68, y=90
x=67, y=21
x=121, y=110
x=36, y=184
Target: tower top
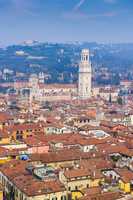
x=85, y=55
x=85, y=51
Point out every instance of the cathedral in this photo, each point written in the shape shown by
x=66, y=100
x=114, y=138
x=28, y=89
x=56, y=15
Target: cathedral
x=53, y=92
x=41, y=92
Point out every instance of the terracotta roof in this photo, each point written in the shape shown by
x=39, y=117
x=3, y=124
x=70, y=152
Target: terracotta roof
x=125, y=174
x=102, y=196
x=3, y=134
x=64, y=155
x=16, y=172
x=57, y=86
x=32, y=187
x=3, y=152
x=35, y=141
x=74, y=173
x=22, y=127
x=98, y=163
x=92, y=191
x=4, y=116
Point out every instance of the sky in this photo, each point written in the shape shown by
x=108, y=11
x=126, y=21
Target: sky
x=66, y=21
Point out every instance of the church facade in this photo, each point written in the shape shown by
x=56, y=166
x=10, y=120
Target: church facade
x=56, y=92
x=53, y=92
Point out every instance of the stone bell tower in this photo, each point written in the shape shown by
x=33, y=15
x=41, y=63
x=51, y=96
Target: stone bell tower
x=84, y=82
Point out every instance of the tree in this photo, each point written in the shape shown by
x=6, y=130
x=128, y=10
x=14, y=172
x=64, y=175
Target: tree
x=116, y=79
x=119, y=100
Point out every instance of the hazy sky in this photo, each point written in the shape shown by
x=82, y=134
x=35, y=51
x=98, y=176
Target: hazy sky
x=66, y=20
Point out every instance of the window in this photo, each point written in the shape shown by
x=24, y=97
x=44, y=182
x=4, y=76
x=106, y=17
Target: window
x=86, y=58
x=19, y=136
x=2, y=180
x=21, y=196
x=63, y=197
x=16, y=192
x=69, y=188
x=76, y=188
x=54, y=198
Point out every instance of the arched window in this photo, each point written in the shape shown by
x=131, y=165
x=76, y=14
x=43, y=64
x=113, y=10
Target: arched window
x=54, y=198
x=63, y=197
x=86, y=57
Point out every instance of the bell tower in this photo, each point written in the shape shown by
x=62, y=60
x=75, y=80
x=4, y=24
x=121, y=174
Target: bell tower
x=84, y=82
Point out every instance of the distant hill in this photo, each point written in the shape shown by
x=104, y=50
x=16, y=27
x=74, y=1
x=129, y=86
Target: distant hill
x=61, y=60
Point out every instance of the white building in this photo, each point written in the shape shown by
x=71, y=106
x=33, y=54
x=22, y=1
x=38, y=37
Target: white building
x=57, y=92
x=50, y=92
x=84, y=83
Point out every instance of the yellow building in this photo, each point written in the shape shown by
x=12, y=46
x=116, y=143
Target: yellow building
x=125, y=180
x=22, y=131
x=19, y=183
x=76, y=195
x=5, y=140
x=1, y=192
x=76, y=180
x=124, y=186
x=4, y=155
x=4, y=137
x=4, y=159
